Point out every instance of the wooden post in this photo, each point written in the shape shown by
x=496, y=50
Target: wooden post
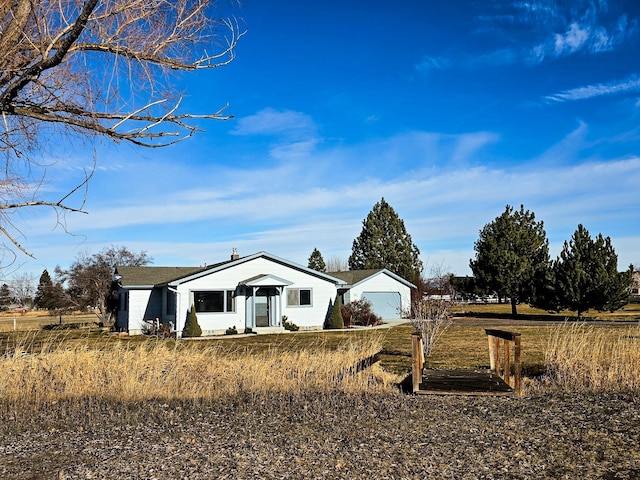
x=496, y=353
x=503, y=365
x=517, y=365
x=507, y=366
x=416, y=360
x=492, y=358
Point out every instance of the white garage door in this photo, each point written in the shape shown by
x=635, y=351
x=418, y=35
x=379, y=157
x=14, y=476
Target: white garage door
x=384, y=304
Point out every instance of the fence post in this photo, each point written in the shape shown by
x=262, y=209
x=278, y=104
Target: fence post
x=496, y=354
x=492, y=359
x=507, y=366
x=517, y=365
x=416, y=360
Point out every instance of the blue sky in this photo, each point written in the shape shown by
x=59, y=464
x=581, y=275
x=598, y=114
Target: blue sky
x=450, y=110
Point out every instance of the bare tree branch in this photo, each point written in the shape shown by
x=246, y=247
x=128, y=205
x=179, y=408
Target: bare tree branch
x=97, y=68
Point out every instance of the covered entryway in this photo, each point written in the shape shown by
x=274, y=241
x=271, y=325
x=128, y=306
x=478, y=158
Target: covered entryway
x=264, y=307
x=264, y=301
x=387, y=305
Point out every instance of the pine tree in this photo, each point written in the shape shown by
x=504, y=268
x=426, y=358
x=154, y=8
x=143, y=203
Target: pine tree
x=335, y=319
x=5, y=296
x=586, y=275
x=512, y=257
x=191, y=327
x=316, y=262
x=42, y=298
x=385, y=243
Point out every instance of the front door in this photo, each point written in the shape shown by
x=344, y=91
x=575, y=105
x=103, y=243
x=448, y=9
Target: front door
x=262, y=307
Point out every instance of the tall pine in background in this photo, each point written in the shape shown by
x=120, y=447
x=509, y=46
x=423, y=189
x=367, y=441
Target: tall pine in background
x=316, y=262
x=5, y=296
x=512, y=257
x=586, y=275
x=385, y=243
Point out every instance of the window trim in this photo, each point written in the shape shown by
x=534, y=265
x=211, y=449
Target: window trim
x=228, y=295
x=297, y=291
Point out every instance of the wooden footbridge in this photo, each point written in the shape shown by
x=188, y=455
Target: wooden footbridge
x=503, y=378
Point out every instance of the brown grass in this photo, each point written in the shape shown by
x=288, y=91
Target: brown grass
x=590, y=358
x=132, y=372
x=39, y=368
x=37, y=320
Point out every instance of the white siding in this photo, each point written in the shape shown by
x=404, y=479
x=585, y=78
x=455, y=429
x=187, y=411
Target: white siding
x=139, y=302
x=323, y=292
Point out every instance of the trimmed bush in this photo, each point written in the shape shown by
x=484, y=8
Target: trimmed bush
x=292, y=327
x=335, y=320
x=192, y=328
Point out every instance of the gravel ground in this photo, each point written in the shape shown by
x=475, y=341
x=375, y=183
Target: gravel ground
x=330, y=436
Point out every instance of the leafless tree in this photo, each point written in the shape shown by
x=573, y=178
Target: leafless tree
x=431, y=313
x=89, y=279
x=23, y=288
x=96, y=68
x=337, y=264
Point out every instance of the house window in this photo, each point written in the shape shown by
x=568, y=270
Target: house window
x=171, y=302
x=298, y=297
x=216, y=301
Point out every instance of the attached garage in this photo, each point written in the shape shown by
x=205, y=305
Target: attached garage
x=387, y=305
x=389, y=294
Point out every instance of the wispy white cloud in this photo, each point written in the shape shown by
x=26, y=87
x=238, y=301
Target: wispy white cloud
x=274, y=122
x=581, y=31
x=428, y=63
x=316, y=195
x=630, y=84
x=531, y=32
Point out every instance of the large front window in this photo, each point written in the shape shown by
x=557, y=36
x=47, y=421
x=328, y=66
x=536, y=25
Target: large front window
x=216, y=301
x=298, y=297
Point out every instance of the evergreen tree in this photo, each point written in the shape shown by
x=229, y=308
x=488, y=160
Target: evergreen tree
x=5, y=296
x=586, y=275
x=335, y=319
x=512, y=257
x=316, y=262
x=385, y=243
x=191, y=327
x=42, y=298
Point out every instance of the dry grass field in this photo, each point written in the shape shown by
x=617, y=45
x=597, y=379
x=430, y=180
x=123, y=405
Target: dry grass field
x=38, y=320
x=83, y=403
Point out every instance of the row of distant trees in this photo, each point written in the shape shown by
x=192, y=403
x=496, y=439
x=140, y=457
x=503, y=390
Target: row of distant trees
x=512, y=262
x=85, y=285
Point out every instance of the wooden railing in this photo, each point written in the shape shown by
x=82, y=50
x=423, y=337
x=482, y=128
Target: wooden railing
x=417, y=360
x=500, y=342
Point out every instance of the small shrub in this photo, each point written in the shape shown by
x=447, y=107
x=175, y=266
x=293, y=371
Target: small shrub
x=359, y=312
x=335, y=319
x=292, y=327
x=191, y=327
x=231, y=331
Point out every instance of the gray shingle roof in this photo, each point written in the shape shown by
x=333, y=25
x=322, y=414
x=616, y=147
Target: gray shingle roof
x=147, y=276
x=351, y=277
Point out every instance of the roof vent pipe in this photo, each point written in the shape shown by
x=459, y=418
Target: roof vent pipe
x=234, y=254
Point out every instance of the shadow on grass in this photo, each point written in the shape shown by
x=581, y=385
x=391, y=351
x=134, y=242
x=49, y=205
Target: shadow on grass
x=533, y=317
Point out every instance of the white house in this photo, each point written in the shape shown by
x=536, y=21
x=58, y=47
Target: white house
x=250, y=293
x=388, y=293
